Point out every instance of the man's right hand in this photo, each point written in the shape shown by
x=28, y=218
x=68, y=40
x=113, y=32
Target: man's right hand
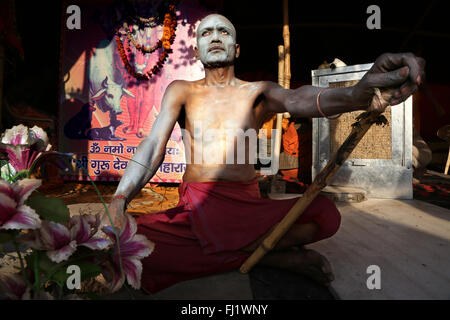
x=116, y=210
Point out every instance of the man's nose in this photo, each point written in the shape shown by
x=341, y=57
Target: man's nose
x=216, y=36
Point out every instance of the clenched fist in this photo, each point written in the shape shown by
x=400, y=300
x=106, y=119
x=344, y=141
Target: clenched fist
x=397, y=75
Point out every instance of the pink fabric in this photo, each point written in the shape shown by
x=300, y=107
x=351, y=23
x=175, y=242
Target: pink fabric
x=203, y=234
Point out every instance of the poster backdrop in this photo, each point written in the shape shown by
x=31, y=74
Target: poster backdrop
x=104, y=112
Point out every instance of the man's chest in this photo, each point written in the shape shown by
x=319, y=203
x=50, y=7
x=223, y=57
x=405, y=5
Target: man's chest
x=222, y=109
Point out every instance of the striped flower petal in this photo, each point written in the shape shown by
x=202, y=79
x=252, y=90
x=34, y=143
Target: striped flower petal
x=129, y=229
x=63, y=253
x=6, y=188
x=54, y=235
x=23, y=188
x=139, y=247
x=133, y=272
x=24, y=218
x=96, y=243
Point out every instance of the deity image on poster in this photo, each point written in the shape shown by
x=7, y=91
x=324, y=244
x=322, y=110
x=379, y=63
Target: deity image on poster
x=105, y=110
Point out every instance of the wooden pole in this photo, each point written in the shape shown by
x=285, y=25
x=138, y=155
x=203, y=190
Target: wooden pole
x=279, y=117
x=281, y=61
x=287, y=45
x=359, y=129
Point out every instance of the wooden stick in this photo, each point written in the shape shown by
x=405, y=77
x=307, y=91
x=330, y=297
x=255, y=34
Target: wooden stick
x=358, y=131
x=281, y=61
x=279, y=116
x=287, y=45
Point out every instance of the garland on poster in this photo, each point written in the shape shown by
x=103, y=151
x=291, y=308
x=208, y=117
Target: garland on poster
x=169, y=27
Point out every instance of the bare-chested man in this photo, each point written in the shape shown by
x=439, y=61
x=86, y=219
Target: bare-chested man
x=221, y=217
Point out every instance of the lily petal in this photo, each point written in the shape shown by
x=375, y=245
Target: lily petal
x=39, y=133
x=7, y=209
x=109, y=231
x=25, y=218
x=133, y=272
x=54, y=235
x=6, y=188
x=63, y=253
x=16, y=135
x=24, y=188
x=113, y=276
x=139, y=247
x=96, y=243
x=80, y=230
x=129, y=230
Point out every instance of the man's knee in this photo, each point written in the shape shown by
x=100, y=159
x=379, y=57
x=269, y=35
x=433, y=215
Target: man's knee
x=328, y=218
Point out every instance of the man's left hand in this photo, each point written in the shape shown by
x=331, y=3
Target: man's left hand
x=397, y=75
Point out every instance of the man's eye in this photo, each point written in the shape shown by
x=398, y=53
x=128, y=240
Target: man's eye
x=225, y=32
x=205, y=33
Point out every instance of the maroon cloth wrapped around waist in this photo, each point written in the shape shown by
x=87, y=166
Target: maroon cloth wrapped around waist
x=227, y=216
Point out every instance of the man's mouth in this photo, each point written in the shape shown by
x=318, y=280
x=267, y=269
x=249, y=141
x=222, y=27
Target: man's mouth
x=216, y=48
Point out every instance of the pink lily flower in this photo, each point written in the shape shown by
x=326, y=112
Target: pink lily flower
x=60, y=241
x=13, y=213
x=83, y=229
x=133, y=248
x=23, y=145
x=14, y=287
x=51, y=237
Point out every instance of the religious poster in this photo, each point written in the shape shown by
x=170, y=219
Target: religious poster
x=115, y=67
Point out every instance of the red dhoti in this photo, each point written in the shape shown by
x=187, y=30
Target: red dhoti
x=204, y=233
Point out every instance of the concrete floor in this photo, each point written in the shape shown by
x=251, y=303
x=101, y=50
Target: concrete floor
x=408, y=240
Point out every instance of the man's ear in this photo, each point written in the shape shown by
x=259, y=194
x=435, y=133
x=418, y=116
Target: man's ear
x=196, y=53
x=238, y=50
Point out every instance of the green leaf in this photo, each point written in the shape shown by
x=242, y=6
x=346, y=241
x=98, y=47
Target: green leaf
x=45, y=264
x=52, y=209
x=88, y=270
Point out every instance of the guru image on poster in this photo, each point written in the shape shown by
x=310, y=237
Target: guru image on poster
x=114, y=71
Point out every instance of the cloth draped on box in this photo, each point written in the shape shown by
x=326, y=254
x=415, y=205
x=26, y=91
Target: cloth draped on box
x=204, y=233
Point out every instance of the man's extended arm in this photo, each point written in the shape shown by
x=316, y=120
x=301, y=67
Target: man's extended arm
x=402, y=72
x=150, y=152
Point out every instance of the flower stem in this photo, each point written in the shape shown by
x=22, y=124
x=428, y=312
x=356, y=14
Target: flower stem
x=109, y=216
x=22, y=266
x=37, y=280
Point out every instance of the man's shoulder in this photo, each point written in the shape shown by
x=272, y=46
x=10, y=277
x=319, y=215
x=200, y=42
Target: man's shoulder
x=261, y=85
x=183, y=85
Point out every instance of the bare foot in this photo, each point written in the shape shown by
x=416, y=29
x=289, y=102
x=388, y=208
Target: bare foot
x=302, y=261
x=312, y=264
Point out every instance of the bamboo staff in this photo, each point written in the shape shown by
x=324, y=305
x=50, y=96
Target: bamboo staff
x=281, y=60
x=287, y=45
x=358, y=131
x=279, y=116
x=284, y=80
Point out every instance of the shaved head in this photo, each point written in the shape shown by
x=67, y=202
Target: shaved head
x=216, y=41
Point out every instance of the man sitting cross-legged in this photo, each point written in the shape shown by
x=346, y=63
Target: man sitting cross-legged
x=221, y=217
